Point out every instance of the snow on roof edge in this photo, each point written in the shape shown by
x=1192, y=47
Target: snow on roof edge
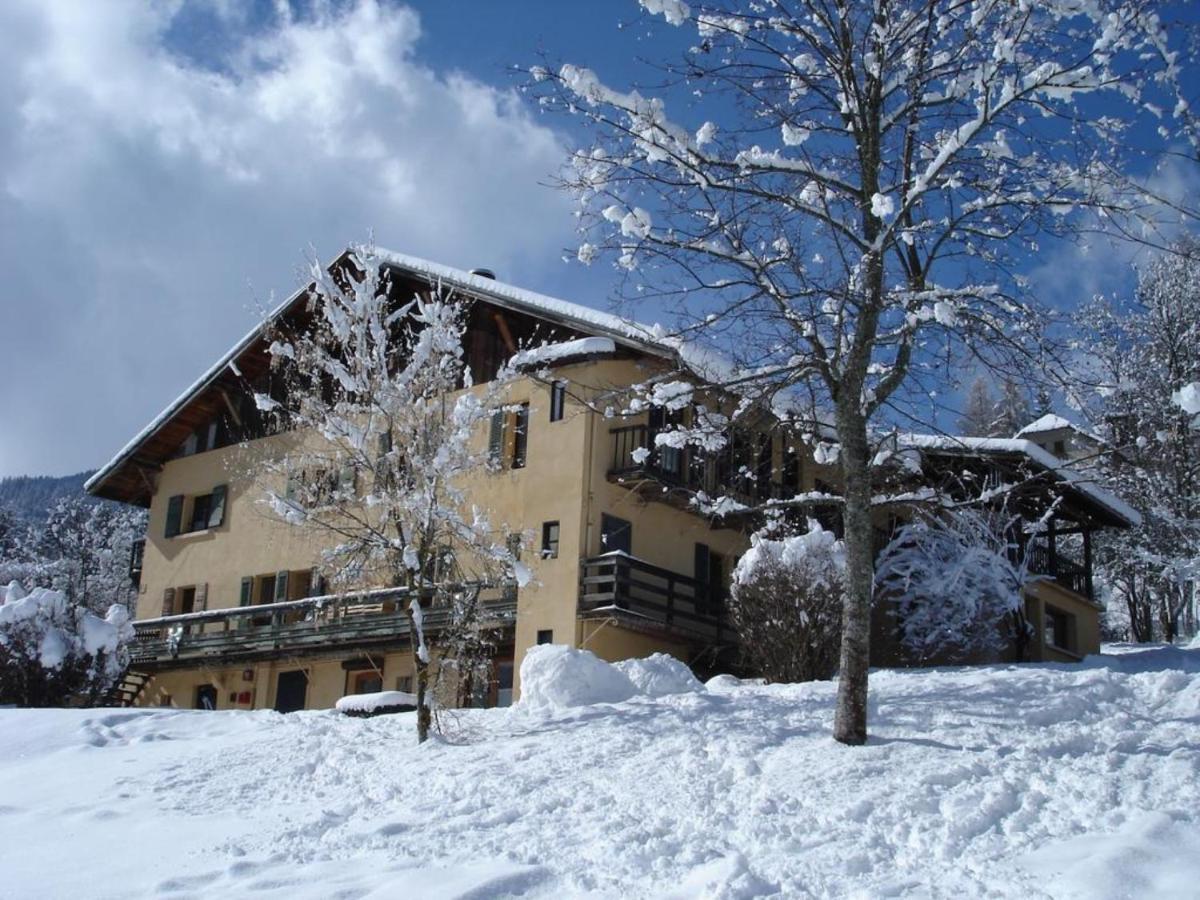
x=1028, y=448
x=629, y=332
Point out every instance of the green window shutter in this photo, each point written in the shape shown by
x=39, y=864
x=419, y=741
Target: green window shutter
x=168, y=606
x=174, y=515
x=247, y=591
x=496, y=437
x=216, y=511
x=201, y=602
x=281, y=586
x=315, y=586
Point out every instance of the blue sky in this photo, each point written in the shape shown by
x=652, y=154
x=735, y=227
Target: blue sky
x=164, y=168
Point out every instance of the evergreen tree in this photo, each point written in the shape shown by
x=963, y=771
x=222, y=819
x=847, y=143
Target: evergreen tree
x=979, y=409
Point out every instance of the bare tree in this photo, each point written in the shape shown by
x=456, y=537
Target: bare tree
x=384, y=430
x=851, y=203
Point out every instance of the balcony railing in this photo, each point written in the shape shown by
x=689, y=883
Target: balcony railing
x=619, y=583
x=244, y=632
x=635, y=455
x=1062, y=569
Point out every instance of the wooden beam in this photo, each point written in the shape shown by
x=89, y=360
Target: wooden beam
x=233, y=413
x=505, y=334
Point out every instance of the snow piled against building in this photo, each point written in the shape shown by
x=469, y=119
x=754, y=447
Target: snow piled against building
x=1029, y=781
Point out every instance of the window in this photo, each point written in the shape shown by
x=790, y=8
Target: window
x=200, y=509
x=368, y=682
x=508, y=437
x=520, y=436
x=549, y=540
x=1060, y=448
x=558, y=400
x=203, y=511
x=545, y=636
x=1059, y=628
x=404, y=684
x=615, y=534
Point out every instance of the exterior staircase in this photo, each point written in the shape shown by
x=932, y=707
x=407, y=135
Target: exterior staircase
x=127, y=691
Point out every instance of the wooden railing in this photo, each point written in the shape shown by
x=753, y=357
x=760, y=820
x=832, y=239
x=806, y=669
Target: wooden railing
x=621, y=583
x=635, y=455
x=295, y=625
x=1062, y=569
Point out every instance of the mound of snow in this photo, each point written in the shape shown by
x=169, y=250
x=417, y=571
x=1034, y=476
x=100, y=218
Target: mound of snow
x=376, y=704
x=659, y=675
x=723, y=683
x=554, y=676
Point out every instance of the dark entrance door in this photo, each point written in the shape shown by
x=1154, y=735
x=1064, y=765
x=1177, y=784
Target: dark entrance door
x=615, y=534
x=206, y=697
x=290, y=691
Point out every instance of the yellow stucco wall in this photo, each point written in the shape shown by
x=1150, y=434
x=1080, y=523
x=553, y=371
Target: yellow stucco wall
x=565, y=479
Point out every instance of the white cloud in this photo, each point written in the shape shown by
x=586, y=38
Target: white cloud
x=141, y=191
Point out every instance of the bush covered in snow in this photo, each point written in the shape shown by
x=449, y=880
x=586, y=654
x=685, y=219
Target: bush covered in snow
x=658, y=675
x=955, y=586
x=787, y=605
x=555, y=676
x=54, y=651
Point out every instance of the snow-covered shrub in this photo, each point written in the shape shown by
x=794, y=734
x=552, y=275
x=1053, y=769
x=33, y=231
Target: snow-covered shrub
x=554, y=676
x=787, y=605
x=956, y=585
x=658, y=675
x=54, y=651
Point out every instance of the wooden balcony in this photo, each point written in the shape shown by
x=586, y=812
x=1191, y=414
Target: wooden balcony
x=1062, y=570
x=652, y=598
x=295, y=627
x=635, y=457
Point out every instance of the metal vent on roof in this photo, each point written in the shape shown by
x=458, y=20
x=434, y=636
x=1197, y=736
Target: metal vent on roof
x=484, y=273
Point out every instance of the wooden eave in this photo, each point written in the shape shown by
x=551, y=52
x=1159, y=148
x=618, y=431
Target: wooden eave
x=129, y=476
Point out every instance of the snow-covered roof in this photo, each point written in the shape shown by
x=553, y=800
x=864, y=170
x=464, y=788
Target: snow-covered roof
x=647, y=338
x=1043, y=458
x=1048, y=422
x=549, y=353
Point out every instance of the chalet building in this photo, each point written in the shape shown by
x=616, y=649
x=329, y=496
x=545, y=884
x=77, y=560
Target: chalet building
x=233, y=613
x=1064, y=439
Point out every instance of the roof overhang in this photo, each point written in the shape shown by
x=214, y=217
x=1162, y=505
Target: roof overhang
x=1101, y=507
x=126, y=476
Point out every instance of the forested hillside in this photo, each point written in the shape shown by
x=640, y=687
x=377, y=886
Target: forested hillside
x=30, y=497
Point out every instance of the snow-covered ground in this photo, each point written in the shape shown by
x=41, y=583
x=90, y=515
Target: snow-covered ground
x=1003, y=781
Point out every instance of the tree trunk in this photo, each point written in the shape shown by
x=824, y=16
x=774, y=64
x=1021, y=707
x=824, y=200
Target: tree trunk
x=420, y=681
x=850, y=719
